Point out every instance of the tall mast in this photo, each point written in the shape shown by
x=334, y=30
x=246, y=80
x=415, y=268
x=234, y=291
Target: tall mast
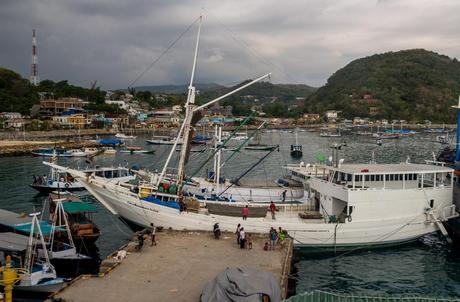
x=189, y=106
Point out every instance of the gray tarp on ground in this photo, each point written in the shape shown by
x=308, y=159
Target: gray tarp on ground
x=241, y=285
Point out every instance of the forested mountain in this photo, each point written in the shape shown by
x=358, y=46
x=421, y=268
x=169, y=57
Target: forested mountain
x=281, y=100
x=411, y=84
x=18, y=95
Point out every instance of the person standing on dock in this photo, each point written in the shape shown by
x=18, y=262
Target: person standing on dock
x=273, y=209
x=242, y=238
x=245, y=212
x=238, y=229
x=272, y=236
x=152, y=234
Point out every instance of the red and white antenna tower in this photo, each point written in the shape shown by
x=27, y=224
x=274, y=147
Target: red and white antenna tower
x=34, y=67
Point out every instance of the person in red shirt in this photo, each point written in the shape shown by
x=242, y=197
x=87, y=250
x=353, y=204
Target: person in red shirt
x=273, y=209
x=245, y=212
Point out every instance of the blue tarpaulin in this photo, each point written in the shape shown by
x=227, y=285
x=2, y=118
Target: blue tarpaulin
x=170, y=204
x=111, y=142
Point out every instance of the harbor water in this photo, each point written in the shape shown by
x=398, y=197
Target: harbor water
x=428, y=266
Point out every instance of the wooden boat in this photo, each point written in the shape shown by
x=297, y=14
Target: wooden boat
x=257, y=146
x=162, y=140
x=136, y=150
x=79, y=213
x=39, y=274
x=124, y=136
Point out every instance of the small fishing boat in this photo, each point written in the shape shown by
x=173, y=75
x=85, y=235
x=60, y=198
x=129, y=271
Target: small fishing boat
x=136, y=150
x=162, y=140
x=59, y=180
x=110, y=151
x=296, y=149
x=79, y=219
x=124, y=136
x=61, y=250
x=40, y=275
x=330, y=134
x=257, y=146
x=57, y=152
x=91, y=150
x=386, y=136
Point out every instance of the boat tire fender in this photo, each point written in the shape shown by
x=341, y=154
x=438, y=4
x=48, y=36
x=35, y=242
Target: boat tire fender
x=66, y=185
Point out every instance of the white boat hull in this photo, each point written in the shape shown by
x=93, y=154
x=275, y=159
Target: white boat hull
x=308, y=233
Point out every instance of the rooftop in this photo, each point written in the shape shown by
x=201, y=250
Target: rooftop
x=390, y=168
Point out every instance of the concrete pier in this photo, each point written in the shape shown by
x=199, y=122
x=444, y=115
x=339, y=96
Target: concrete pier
x=177, y=269
x=15, y=147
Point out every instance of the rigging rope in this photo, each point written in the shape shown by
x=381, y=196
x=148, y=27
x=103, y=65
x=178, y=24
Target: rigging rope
x=163, y=53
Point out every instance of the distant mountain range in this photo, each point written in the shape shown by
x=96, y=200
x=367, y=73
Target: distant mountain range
x=411, y=84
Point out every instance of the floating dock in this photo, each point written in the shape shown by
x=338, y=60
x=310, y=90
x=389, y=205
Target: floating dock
x=177, y=269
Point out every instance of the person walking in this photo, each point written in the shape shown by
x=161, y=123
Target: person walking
x=242, y=238
x=283, y=195
x=152, y=234
x=280, y=236
x=273, y=209
x=237, y=232
x=245, y=212
x=272, y=238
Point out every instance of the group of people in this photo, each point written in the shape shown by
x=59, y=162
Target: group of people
x=242, y=239
x=275, y=237
x=40, y=180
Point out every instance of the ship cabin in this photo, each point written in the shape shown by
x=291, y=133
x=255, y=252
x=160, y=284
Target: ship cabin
x=358, y=191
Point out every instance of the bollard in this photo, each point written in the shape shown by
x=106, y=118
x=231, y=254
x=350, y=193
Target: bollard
x=9, y=278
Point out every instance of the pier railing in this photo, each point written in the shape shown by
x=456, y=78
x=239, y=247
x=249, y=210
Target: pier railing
x=322, y=296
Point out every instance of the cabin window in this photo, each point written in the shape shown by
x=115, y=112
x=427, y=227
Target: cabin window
x=367, y=178
x=387, y=177
x=349, y=177
x=358, y=178
x=372, y=177
x=392, y=177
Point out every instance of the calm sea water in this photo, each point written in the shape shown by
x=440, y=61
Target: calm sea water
x=427, y=267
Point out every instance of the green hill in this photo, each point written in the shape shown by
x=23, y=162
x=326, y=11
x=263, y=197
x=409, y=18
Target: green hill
x=411, y=84
x=18, y=95
x=274, y=99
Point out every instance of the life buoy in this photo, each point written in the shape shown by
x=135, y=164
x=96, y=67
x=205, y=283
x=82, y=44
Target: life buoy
x=66, y=185
x=349, y=218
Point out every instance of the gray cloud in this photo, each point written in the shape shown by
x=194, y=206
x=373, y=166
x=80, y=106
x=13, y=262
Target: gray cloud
x=300, y=41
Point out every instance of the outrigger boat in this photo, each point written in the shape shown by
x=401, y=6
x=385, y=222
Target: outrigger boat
x=39, y=274
x=347, y=206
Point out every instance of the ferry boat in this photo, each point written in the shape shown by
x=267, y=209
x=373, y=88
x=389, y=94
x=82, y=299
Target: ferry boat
x=346, y=206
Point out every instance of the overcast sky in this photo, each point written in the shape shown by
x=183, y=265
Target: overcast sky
x=299, y=41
